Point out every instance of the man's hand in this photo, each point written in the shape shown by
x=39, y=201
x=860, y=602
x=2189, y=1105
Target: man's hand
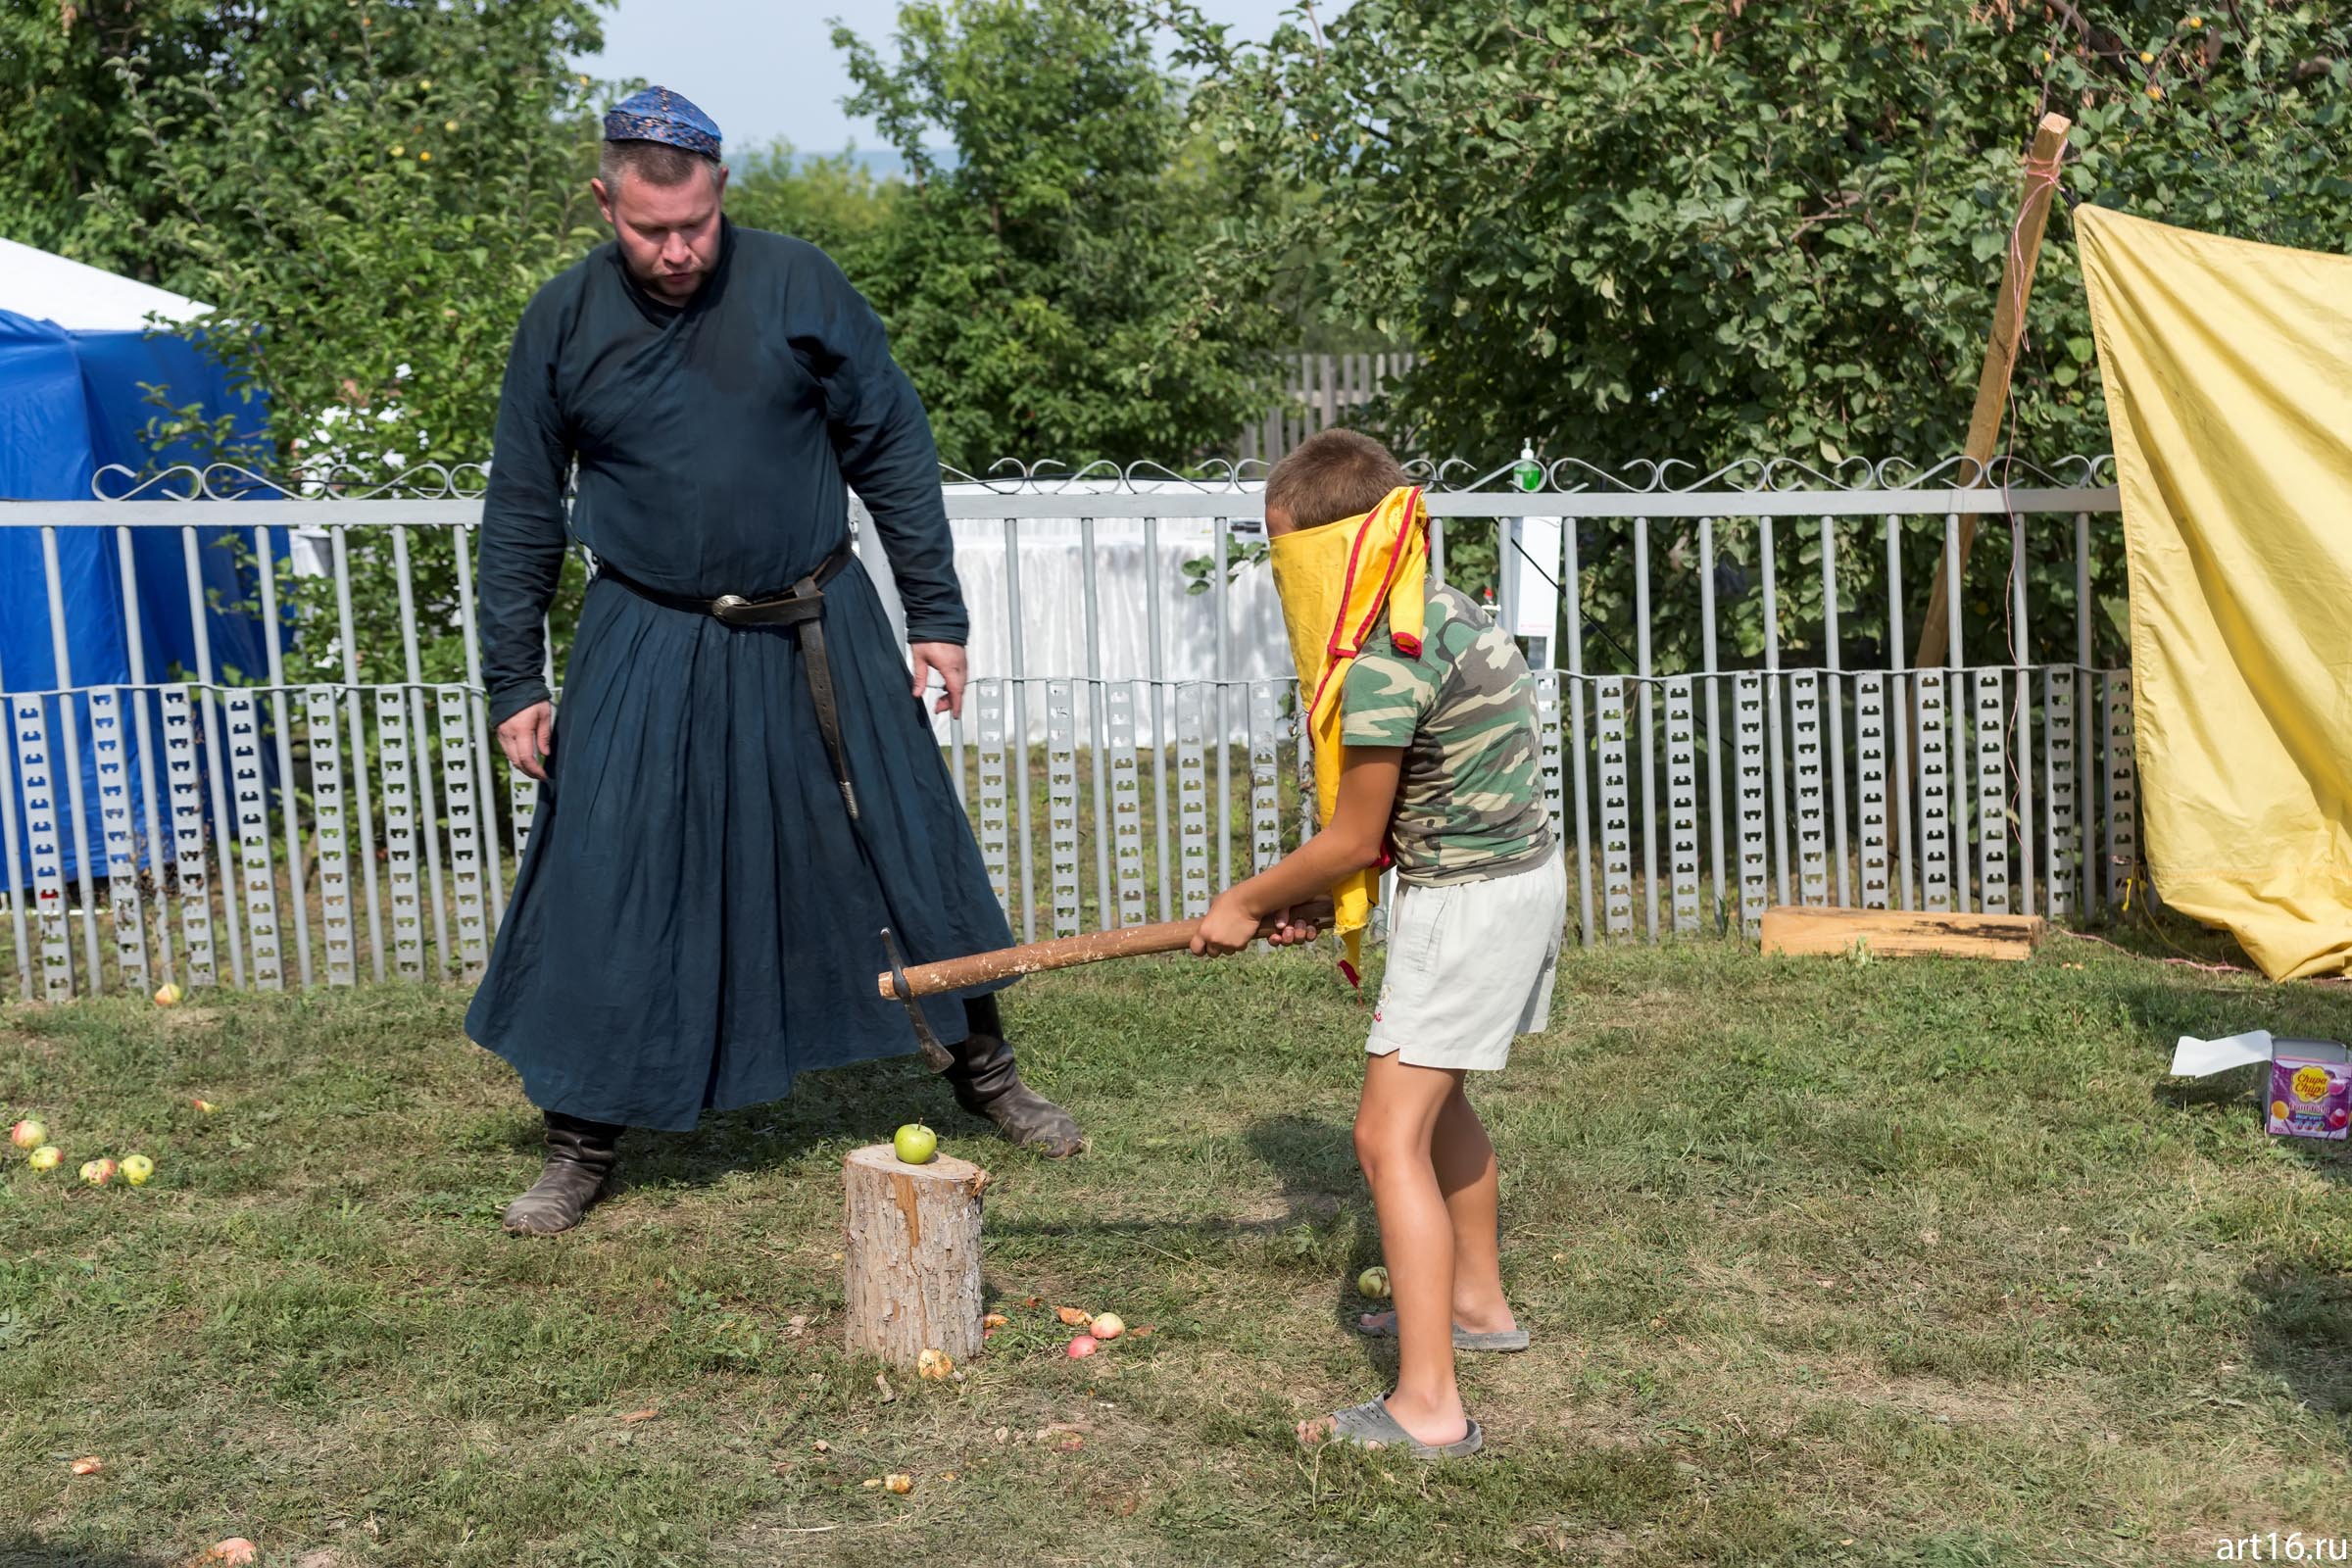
x=948, y=659
x=528, y=738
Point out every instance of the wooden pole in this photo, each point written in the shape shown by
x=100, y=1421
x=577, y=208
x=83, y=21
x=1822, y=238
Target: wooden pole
x=910, y=1248
x=2000, y=361
x=1064, y=953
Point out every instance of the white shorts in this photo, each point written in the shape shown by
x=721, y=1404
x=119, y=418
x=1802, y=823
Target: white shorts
x=1470, y=967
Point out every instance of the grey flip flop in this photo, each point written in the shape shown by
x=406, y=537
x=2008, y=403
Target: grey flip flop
x=1502, y=1342
x=1370, y=1426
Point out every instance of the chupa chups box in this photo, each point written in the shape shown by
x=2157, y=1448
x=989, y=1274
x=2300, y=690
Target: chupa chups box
x=2311, y=1096
x=2309, y=1086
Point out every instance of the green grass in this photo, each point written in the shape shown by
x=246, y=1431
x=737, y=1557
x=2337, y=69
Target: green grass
x=1826, y=1262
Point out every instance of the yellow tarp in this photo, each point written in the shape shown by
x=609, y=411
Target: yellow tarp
x=2229, y=375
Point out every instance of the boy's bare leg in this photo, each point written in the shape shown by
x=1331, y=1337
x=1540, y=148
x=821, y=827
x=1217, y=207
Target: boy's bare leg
x=1464, y=1160
x=1395, y=1125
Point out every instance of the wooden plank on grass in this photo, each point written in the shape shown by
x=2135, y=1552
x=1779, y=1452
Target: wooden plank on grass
x=1901, y=934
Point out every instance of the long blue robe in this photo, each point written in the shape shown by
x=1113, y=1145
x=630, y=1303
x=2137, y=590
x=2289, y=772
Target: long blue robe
x=693, y=921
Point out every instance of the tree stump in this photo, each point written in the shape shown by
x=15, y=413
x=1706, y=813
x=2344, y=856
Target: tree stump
x=911, y=1251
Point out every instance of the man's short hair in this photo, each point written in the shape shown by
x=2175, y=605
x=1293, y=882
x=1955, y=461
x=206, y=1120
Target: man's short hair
x=657, y=162
x=1331, y=476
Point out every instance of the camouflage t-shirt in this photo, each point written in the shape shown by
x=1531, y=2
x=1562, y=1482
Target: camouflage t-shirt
x=1470, y=791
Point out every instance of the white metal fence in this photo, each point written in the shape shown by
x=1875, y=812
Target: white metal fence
x=344, y=815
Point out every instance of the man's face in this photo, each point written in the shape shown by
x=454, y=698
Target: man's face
x=668, y=234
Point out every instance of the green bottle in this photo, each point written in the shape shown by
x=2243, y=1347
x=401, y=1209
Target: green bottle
x=1528, y=474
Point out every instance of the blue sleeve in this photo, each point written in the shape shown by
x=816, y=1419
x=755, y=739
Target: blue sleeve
x=882, y=439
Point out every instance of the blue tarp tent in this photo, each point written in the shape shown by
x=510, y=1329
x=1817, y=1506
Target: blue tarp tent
x=74, y=400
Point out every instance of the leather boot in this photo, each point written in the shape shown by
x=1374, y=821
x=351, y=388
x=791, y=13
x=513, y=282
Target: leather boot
x=987, y=1083
x=581, y=1157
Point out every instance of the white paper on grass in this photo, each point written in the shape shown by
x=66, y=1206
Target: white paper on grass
x=2198, y=1059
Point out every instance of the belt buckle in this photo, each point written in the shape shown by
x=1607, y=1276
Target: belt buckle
x=726, y=605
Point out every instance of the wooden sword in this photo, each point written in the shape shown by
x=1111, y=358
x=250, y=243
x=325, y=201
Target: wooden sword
x=1063, y=953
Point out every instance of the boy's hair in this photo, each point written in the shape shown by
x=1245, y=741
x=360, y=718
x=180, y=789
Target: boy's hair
x=1333, y=474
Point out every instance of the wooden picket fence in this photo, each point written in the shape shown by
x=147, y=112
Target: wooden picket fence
x=1319, y=391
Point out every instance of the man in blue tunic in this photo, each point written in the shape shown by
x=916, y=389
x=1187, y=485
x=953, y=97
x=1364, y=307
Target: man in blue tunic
x=742, y=790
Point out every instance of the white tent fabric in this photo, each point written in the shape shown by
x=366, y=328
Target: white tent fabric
x=1053, y=573
x=83, y=298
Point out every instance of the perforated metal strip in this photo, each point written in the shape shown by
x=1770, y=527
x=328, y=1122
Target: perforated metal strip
x=1267, y=732
x=1682, y=804
x=1870, y=773
x=522, y=803
x=1126, y=803
x=110, y=760
x=996, y=820
x=1310, y=807
x=185, y=784
x=1805, y=744
x=1616, y=810
x=401, y=865
x=331, y=850
x=1548, y=755
x=1935, y=792
x=2060, y=790
x=1061, y=801
x=1748, y=724
x=2123, y=789
x=44, y=844
x=1992, y=793
x=459, y=805
x=249, y=802
x=1192, y=795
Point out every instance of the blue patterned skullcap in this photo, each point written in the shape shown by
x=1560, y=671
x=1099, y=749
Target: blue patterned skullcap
x=659, y=114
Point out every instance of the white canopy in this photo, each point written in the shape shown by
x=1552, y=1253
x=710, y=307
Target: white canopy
x=83, y=299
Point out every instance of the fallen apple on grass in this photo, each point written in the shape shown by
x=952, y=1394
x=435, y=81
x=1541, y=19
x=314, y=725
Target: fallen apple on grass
x=28, y=1134
x=137, y=1168
x=1373, y=1284
x=46, y=1157
x=1108, y=1326
x=98, y=1172
x=168, y=995
x=1084, y=1346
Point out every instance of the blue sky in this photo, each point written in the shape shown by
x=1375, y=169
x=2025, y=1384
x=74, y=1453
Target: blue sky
x=765, y=68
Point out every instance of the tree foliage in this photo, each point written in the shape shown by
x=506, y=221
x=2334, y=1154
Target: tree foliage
x=1045, y=290
x=366, y=192
x=1716, y=230
x=833, y=201
x=351, y=186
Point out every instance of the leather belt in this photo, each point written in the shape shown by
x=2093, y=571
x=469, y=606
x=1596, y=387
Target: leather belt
x=799, y=609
